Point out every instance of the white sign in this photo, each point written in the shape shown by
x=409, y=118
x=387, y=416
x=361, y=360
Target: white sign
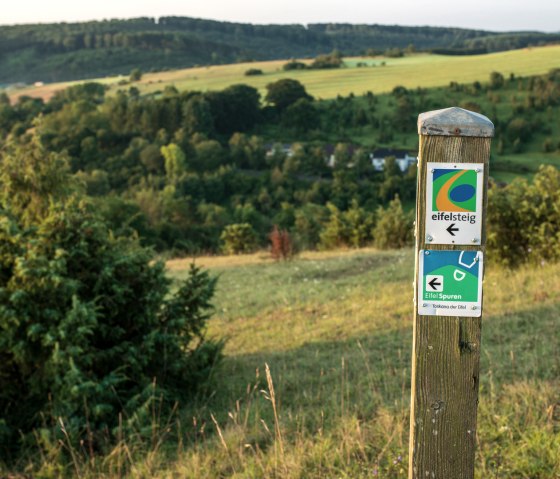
x=434, y=283
x=450, y=283
x=454, y=203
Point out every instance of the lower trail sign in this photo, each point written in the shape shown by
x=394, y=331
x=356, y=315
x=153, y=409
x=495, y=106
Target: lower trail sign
x=450, y=283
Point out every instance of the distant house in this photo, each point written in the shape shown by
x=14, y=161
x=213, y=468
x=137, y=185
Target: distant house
x=377, y=157
x=284, y=148
x=402, y=157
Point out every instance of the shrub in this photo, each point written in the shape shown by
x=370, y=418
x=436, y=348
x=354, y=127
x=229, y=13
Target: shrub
x=524, y=220
x=135, y=74
x=281, y=246
x=519, y=128
x=253, y=72
x=496, y=80
x=335, y=232
x=308, y=221
x=294, y=65
x=394, y=227
x=332, y=60
x=96, y=182
x=393, y=53
x=89, y=330
x=238, y=238
x=359, y=223
x=349, y=228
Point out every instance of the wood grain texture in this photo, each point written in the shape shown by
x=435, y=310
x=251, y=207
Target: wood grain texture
x=446, y=350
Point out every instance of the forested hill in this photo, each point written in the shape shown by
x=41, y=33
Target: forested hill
x=67, y=51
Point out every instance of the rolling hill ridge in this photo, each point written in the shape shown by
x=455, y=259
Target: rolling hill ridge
x=72, y=51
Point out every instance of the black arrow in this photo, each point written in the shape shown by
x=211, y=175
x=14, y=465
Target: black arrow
x=450, y=229
x=434, y=284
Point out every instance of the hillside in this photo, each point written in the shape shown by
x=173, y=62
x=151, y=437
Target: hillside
x=67, y=51
x=183, y=168
x=359, y=74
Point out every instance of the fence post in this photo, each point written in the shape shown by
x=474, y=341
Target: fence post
x=450, y=242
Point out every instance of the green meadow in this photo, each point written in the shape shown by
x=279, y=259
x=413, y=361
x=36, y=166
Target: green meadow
x=315, y=382
x=336, y=332
x=379, y=75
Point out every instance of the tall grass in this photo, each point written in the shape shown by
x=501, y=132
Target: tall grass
x=316, y=380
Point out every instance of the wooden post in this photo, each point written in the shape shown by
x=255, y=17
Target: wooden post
x=450, y=243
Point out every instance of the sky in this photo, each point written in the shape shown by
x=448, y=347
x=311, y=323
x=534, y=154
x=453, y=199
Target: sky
x=498, y=15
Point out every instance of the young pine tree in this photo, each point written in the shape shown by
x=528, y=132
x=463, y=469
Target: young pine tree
x=89, y=328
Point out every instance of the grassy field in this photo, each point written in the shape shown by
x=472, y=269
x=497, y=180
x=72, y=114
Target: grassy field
x=316, y=377
x=380, y=75
x=335, y=330
x=315, y=382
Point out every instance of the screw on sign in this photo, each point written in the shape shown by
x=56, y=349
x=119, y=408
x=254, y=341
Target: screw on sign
x=450, y=245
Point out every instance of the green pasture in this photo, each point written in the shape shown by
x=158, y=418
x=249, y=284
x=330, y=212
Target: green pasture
x=315, y=382
x=335, y=331
x=380, y=75
x=421, y=70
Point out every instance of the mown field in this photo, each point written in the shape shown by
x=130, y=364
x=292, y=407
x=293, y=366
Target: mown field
x=316, y=377
x=378, y=76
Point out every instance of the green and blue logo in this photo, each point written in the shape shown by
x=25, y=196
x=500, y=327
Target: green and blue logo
x=454, y=190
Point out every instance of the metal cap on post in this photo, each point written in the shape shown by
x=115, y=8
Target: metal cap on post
x=453, y=160
x=455, y=121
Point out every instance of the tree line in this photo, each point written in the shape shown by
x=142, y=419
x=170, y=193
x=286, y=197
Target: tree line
x=66, y=51
x=180, y=168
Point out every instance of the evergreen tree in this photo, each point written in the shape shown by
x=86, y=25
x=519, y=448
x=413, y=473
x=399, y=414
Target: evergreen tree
x=89, y=329
x=393, y=228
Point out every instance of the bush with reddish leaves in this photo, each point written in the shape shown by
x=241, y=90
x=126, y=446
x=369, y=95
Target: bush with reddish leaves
x=281, y=245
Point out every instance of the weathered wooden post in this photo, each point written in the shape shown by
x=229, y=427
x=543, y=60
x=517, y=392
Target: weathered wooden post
x=450, y=243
